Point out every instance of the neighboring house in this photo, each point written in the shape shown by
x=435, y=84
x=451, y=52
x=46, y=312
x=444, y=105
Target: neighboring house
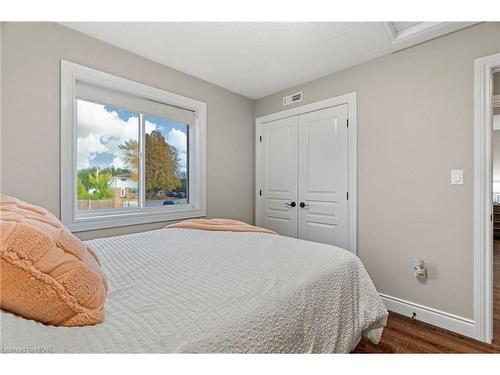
x=128, y=187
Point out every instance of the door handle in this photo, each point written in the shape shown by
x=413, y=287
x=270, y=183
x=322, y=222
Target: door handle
x=303, y=205
x=292, y=204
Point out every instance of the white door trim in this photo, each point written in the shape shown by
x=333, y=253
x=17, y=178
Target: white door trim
x=483, y=228
x=350, y=100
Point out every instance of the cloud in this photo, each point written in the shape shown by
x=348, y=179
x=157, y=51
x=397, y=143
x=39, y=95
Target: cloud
x=149, y=127
x=102, y=131
x=118, y=162
x=87, y=149
x=178, y=139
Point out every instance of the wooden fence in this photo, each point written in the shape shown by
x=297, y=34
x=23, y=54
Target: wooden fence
x=89, y=204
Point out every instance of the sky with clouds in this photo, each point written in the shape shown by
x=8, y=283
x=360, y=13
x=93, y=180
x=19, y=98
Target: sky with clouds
x=102, y=129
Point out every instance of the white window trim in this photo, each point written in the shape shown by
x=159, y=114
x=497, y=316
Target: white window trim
x=82, y=221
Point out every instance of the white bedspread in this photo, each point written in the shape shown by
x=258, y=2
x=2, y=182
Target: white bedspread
x=181, y=290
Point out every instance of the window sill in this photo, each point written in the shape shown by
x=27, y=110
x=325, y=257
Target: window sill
x=110, y=219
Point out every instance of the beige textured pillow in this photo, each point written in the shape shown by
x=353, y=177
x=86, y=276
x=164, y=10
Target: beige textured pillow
x=47, y=273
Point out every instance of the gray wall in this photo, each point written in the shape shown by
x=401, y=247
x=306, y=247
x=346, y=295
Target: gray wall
x=415, y=124
x=30, y=119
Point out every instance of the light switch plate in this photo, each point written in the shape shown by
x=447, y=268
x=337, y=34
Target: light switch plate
x=457, y=177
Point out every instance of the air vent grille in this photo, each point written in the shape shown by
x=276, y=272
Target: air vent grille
x=297, y=97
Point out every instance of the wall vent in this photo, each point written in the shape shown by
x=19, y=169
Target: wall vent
x=294, y=98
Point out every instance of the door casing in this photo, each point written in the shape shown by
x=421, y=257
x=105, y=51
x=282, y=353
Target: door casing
x=483, y=196
x=350, y=100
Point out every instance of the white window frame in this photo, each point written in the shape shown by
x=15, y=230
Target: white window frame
x=89, y=220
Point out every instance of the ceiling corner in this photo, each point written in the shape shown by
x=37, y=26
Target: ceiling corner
x=420, y=32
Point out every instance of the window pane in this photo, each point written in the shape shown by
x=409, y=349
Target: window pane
x=166, y=162
x=107, y=157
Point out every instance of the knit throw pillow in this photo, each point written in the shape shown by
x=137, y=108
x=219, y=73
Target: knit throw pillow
x=47, y=273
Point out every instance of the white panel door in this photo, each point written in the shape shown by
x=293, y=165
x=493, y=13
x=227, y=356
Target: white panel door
x=279, y=176
x=322, y=176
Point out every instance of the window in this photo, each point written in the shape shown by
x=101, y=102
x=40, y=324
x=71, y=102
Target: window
x=108, y=158
x=106, y=137
x=130, y=153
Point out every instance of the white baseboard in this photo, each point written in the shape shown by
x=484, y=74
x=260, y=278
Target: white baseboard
x=429, y=315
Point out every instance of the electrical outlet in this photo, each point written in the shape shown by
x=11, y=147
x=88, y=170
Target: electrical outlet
x=420, y=269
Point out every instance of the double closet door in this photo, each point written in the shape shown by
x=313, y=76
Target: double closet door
x=303, y=176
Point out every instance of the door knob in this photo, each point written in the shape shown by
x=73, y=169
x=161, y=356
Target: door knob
x=291, y=204
x=302, y=205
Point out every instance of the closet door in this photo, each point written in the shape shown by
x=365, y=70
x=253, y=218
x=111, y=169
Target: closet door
x=322, y=176
x=279, y=176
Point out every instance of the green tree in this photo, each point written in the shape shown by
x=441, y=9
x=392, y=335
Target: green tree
x=130, y=156
x=92, y=178
x=82, y=191
x=99, y=181
x=83, y=177
x=162, y=162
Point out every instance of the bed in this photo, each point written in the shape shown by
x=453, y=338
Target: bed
x=192, y=291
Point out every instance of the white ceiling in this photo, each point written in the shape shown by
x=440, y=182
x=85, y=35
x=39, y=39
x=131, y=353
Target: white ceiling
x=257, y=59
x=400, y=26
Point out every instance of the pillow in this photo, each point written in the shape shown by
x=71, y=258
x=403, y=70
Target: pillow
x=47, y=273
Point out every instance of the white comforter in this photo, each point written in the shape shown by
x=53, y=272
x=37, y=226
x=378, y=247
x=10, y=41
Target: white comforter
x=181, y=290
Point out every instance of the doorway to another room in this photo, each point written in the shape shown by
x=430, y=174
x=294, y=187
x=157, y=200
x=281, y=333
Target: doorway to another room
x=486, y=200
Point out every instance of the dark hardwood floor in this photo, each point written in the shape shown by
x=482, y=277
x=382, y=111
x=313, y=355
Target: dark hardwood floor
x=403, y=335
x=496, y=291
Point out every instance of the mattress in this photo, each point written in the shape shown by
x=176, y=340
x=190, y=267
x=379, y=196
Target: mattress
x=192, y=291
